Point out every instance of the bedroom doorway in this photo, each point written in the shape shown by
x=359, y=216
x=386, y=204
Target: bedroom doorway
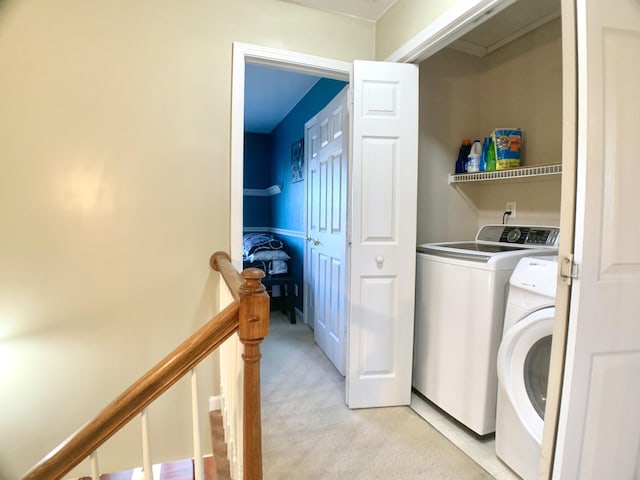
x=286, y=218
x=278, y=103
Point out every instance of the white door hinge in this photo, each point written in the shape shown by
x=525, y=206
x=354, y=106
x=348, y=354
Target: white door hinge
x=568, y=269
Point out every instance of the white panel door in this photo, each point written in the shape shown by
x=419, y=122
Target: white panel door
x=599, y=421
x=327, y=140
x=384, y=196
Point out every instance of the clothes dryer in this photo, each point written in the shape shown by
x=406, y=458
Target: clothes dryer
x=523, y=363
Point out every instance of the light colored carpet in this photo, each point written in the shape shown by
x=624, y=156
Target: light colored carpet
x=309, y=433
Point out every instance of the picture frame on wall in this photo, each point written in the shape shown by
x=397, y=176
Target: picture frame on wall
x=297, y=161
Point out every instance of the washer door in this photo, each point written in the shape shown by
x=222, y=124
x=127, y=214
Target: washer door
x=523, y=367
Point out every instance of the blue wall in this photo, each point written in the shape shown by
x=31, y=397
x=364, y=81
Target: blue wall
x=257, y=167
x=286, y=210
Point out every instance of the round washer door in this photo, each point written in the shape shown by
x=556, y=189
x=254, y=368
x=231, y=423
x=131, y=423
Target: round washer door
x=523, y=367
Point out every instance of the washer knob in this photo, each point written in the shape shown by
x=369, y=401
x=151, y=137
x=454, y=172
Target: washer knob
x=514, y=235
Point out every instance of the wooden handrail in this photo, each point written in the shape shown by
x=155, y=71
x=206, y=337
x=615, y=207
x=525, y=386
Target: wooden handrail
x=221, y=262
x=249, y=315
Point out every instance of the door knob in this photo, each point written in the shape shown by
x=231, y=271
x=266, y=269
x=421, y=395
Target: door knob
x=316, y=242
x=379, y=259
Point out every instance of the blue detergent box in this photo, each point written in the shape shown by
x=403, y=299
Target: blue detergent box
x=508, y=145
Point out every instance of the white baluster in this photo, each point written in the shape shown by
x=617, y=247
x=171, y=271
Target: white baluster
x=198, y=465
x=95, y=471
x=146, y=455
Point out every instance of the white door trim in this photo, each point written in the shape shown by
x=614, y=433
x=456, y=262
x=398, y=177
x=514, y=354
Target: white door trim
x=450, y=26
x=566, y=247
x=242, y=54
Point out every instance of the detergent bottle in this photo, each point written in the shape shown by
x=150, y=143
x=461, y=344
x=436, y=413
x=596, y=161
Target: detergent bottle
x=491, y=156
x=485, y=151
x=473, y=160
x=461, y=163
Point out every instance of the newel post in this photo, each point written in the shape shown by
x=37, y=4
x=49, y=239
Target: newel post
x=253, y=327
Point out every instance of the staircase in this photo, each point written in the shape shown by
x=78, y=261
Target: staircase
x=178, y=470
x=248, y=317
x=216, y=466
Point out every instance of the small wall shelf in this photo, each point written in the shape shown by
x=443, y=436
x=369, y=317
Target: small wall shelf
x=262, y=192
x=523, y=172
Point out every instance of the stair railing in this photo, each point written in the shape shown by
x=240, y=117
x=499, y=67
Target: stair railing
x=248, y=315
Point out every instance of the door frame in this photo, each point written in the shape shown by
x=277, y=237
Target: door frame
x=243, y=54
x=567, y=229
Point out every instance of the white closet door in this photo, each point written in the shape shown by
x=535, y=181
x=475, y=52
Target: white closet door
x=599, y=422
x=384, y=197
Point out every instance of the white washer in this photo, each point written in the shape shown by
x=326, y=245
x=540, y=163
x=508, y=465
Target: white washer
x=523, y=364
x=460, y=300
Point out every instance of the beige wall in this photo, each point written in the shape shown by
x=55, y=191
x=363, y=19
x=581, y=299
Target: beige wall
x=407, y=18
x=449, y=111
x=114, y=191
x=462, y=96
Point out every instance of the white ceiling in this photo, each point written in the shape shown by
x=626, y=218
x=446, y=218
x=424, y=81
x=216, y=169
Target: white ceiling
x=367, y=9
x=270, y=94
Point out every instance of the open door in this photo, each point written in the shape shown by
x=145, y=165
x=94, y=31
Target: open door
x=599, y=422
x=326, y=151
x=383, y=233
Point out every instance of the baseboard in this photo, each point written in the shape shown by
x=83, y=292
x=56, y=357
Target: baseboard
x=299, y=315
x=215, y=403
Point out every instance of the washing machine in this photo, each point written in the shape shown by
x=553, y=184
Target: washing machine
x=460, y=302
x=523, y=364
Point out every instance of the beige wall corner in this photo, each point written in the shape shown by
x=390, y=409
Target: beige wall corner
x=404, y=20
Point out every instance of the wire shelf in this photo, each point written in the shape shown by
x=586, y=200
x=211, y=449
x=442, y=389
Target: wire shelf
x=523, y=172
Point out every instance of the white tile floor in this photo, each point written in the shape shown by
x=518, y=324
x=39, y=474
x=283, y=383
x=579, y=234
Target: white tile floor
x=482, y=451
